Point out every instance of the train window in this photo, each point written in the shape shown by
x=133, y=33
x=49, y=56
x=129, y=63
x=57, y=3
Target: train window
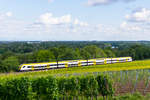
x=84, y=62
x=90, y=61
x=41, y=66
x=61, y=64
x=23, y=66
x=53, y=65
x=29, y=66
x=36, y=66
x=74, y=64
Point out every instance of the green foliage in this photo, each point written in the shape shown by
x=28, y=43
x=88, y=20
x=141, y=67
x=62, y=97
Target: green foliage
x=31, y=52
x=6, y=54
x=45, y=88
x=49, y=88
x=77, y=54
x=89, y=86
x=14, y=89
x=68, y=54
x=92, y=51
x=85, y=54
x=105, y=86
x=44, y=56
x=10, y=64
x=2, y=91
x=137, y=52
x=134, y=96
x=68, y=87
x=56, y=53
x=109, y=53
x=27, y=58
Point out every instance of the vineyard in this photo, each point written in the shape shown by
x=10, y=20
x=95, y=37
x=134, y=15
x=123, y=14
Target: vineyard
x=50, y=88
x=78, y=83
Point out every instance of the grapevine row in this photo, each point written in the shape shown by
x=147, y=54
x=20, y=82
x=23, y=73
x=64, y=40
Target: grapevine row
x=51, y=88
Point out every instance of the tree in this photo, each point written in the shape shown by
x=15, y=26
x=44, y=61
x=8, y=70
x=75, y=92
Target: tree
x=44, y=56
x=92, y=50
x=67, y=53
x=10, y=64
x=57, y=54
x=27, y=57
x=7, y=54
x=101, y=53
x=95, y=52
x=109, y=53
x=77, y=54
x=85, y=55
x=2, y=68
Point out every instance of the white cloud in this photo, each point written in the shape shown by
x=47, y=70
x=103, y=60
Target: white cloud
x=61, y=27
x=141, y=15
x=77, y=22
x=130, y=27
x=9, y=14
x=138, y=21
x=48, y=18
x=97, y=2
x=5, y=15
x=105, y=2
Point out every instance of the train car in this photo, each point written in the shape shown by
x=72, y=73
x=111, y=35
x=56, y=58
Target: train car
x=72, y=63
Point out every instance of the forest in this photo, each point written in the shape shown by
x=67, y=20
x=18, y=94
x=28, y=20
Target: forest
x=12, y=54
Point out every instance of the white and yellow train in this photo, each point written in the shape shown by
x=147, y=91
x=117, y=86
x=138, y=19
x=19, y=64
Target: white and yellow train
x=72, y=63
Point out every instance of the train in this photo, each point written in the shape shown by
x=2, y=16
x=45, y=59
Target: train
x=72, y=63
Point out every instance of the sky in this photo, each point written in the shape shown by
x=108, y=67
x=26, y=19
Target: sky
x=74, y=20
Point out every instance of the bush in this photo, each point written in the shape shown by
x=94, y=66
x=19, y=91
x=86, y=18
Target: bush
x=104, y=86
x=45, y=88
x=15, y=89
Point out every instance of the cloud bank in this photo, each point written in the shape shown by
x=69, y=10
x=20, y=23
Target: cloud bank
x=141, y=16
x=106, y=2
x=49, y=19
x=50, y=27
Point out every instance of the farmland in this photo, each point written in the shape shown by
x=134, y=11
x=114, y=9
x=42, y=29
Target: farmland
x=74, y=50
x=80, y=83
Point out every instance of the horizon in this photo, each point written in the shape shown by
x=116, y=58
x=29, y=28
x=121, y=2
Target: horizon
x=74, y=41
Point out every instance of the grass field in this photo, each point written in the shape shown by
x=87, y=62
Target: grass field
x=145, y=64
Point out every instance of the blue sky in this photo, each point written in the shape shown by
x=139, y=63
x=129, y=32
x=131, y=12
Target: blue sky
x=51, y=20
